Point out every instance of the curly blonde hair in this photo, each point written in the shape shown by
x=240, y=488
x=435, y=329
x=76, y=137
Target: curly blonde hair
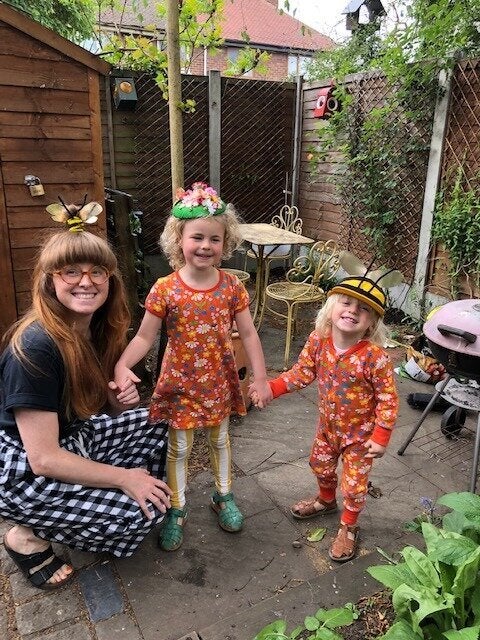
x=377, y=333
x=171, y=237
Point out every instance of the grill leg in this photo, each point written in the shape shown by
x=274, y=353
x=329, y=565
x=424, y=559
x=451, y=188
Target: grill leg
x=425, y=413
x=473, y=481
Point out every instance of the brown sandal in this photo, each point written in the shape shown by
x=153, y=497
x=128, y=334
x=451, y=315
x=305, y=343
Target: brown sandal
x=344, y=546
x=312, y=507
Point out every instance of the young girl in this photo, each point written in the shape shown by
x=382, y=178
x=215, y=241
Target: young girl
x=358, y=401
x=198, y=386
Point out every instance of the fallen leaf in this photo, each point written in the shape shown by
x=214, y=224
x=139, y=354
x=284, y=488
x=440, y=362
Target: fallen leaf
x=317, y=534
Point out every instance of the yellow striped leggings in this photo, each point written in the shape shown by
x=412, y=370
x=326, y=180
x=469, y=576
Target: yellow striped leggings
x=180, y=443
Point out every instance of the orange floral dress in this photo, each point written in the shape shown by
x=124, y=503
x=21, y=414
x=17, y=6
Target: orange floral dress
x=198, y=385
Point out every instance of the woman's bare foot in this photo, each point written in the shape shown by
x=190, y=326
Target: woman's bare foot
x=22, y=540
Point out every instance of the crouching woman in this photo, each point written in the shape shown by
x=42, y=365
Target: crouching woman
x=80, y=464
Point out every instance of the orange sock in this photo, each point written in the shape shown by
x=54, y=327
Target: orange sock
x=328, y=495
x=349, y=517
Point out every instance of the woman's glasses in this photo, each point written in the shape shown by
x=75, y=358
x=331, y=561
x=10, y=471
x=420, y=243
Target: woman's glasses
x=72, y=274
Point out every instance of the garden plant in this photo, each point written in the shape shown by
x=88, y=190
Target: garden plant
x=435, y=592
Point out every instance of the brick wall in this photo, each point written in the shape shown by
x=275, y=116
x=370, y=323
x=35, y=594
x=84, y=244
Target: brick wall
x=277, y=67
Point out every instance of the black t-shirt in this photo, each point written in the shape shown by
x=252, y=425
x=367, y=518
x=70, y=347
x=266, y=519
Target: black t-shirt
x=36, y=384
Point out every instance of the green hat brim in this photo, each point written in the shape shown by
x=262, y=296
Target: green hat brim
x=179, y=210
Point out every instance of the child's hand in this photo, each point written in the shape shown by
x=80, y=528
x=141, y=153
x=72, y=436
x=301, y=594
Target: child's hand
x=124, y=377
x=374, y=450
x=260, y=393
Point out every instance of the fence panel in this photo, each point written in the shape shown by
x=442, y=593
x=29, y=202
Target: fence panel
x=461, y=150
x=339, y=215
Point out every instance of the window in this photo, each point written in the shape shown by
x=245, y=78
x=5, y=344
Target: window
x=232, y=55
x=297, y=65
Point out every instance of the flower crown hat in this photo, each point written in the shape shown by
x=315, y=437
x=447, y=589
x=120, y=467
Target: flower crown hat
x=200, y=201
x=363, y=284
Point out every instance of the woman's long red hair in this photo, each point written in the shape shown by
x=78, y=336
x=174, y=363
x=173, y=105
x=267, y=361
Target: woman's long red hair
x=88, y=363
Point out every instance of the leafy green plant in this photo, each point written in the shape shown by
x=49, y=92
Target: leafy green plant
x=436, y=594
x=456, y=225
x=322, y=625
x=380, y=148
x=465, y=515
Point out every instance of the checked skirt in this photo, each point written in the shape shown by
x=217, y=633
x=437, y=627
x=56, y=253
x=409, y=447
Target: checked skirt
x=82, y=517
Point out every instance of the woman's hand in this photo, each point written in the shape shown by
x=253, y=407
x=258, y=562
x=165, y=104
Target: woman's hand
x=123, y=398
x=142, y=487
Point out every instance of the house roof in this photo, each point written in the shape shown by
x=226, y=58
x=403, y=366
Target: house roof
x=23, y=23
x=259, y=18
x=265, y=26
x=128, y=19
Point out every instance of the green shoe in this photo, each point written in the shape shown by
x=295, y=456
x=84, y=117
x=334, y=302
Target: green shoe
x=229, y=516
x=171, y=535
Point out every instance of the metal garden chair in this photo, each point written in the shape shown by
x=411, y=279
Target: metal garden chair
x=303, y=285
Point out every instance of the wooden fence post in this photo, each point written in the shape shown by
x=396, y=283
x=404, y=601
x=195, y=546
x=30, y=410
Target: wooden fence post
x=119, y=205
x=440, y=120
x=214, y=128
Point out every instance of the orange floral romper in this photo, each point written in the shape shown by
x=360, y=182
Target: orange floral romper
x=357, y=400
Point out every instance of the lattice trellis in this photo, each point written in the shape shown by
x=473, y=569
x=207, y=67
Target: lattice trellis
x=152, y=151
x=371, y=91
x=257, y=133
x=461, y=149
x=257, y=119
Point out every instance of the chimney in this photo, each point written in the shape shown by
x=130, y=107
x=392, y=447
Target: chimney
x=274, y=2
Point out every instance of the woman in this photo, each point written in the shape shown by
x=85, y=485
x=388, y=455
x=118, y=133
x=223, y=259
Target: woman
x=80, y=465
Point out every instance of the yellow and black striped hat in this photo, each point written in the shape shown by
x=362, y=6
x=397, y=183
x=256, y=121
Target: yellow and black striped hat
x=363, y=289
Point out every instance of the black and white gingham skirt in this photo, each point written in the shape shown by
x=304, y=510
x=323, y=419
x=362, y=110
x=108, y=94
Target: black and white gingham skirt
x=84, y=517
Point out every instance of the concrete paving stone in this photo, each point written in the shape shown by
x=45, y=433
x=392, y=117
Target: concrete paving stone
x=120, y=627
x=345, y=584
x=76, y=631
x=282, y=431
x=80, y=559
x=3, y=622
x=47, y=611
x=22, y=590
x=214, y=573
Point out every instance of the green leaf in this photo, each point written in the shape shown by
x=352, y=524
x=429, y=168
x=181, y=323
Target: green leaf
x=335, y=617
x=417, y=604
x=272, y=631
x=464, y=502
x=421, y=567
x=317, y=534
x=454, y=551
x=468, y=633
x=311, y=623
x=393, y=576
x=401, y=630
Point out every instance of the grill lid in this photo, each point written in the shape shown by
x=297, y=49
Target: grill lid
x=456, y=326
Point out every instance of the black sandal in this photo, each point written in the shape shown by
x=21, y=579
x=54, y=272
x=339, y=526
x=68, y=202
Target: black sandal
x=40, y=577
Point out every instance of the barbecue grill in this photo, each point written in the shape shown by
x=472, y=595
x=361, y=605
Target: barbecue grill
x=453, y=335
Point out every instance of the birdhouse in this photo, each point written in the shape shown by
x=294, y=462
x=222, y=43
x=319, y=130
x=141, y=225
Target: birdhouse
x=326, y=103
x=374, y=9
x=124, y=94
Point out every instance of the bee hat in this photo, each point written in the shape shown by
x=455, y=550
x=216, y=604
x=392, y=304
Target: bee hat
x=364, y=285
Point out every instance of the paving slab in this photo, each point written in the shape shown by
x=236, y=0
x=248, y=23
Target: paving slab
x=214, y=574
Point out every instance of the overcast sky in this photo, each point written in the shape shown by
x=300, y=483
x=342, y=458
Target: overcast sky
x=322, y=15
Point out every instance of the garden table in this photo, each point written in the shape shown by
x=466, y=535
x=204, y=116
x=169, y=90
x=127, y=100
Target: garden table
x=264, y=238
